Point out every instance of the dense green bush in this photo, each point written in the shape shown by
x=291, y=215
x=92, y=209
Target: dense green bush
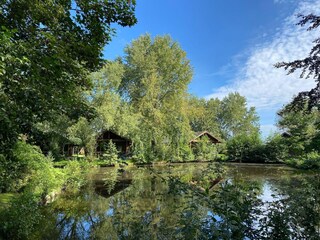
x=75, y=174
x=37, y=179
x=110, y=154
x=205, y=150
x=221, y=157
x=275, y=149
x=308, y=161
x=185, y=153
x=245, y=148
x=138, y=154
x=28, y=168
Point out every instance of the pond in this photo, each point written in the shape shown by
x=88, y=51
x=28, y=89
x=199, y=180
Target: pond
x=189, y=201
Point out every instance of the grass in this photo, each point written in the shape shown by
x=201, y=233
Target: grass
x=5, y=199
x=98, y=162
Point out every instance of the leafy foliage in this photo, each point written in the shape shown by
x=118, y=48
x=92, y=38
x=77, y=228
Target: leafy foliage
x=83, y=134
x=306, y=161
x=236, y=118
x=224, y=118
x=28, y=169
x=155, y=81
x=243, y=148
x=110, y=154
x=309, y=66
x=48, y=48
x=205, y=150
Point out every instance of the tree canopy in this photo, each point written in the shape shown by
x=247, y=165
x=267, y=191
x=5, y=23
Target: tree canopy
x=47, y=50
x=309, y=67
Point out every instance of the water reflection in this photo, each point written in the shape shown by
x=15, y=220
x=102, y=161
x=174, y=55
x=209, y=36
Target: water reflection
x=250, y=202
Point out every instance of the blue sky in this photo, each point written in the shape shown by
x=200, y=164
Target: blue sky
x=232, y=46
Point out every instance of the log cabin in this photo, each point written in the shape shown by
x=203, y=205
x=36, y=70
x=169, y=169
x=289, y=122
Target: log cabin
x=199, y=135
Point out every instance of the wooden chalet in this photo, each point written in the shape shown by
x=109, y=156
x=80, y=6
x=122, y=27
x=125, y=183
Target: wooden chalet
x=122, y=144
x=199, y=135
x=286, y=135
x=70, y=150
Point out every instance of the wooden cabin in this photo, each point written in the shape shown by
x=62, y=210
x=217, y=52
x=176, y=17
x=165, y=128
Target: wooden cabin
x=70, y=150
x=199, y=135
x=286, y=135
x=122, y=144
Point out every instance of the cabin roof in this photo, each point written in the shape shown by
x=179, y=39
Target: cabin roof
x=108, y=134
x=202, y=133
x=286, y=135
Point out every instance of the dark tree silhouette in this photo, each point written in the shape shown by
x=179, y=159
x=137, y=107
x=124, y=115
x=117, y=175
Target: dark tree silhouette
x=309, y=66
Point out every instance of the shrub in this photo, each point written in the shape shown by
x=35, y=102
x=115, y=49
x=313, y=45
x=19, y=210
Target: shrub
x=111, y=153
x=139, y=153
x=275, y=149
x=308, y=161
x=222, y=157
x=28, y=169
x=205, y=150
x=75, y=174
x=245, y=148
x=186, y=153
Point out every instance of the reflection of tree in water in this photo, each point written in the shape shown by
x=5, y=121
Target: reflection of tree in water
x=159, y=205
x=296, y=214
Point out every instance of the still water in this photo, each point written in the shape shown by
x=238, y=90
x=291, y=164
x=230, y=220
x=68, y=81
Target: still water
x=190, y=201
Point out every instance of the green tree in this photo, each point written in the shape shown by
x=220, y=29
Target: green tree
x=155, y=84
x=309, y=66
x=203, y=114
x=113, y=112
x=244, y=148
x=52, y=135
x=236, y=118
x=111, y=153
x=302, y=125
x=276, y=149
x=212, y=119
x=83, y=134
x=197, y=113
x=51, y=46
x=205, y=150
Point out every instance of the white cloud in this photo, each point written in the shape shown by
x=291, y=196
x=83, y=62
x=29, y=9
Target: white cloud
x=282, y=1
x=265, y=86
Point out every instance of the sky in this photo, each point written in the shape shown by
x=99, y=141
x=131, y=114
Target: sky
x=232, y=46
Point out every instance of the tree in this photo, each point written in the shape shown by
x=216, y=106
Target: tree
x=51, y=136
x=243, y=147
x=155, y=82
x=197, y=113
x=301, y=116
x=205, y=150
x=203, y=114
x=309, y=66
x=212, y=120
x=83, y=134
x=111, y=153
x=303, y=127
x=49, y=47
x=113, y=112
x=235, y=118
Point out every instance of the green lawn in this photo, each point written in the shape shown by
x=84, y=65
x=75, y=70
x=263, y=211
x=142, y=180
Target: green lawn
x=5, y=199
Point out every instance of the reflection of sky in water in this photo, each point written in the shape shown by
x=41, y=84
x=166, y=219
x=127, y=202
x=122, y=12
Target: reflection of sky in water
x=268, y=195
x=216, y=217
x=149, y=202
x=109, y=212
